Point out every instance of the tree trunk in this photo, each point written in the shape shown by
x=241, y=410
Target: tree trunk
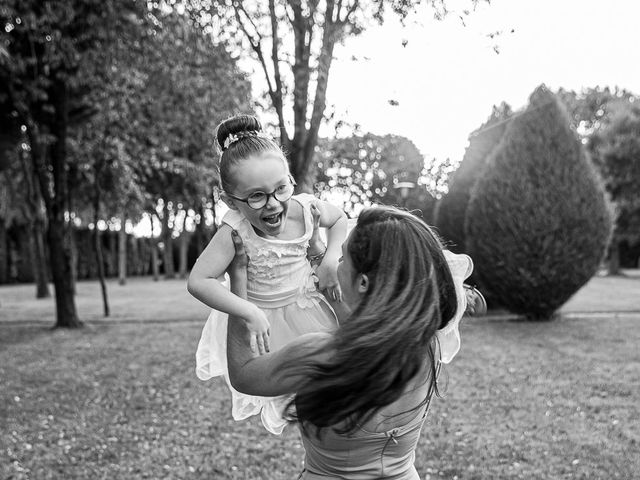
x=112, y=259
x=167, y=237
x=39, y=263
x=4, y=253
x=66, y=314
x=35, y=217
x=184, y=249
x=98, y=246
x=100, y=260
x=155, y=268
x=74, y=257
x=122, y=251
x=52, y=178
x=614, y=257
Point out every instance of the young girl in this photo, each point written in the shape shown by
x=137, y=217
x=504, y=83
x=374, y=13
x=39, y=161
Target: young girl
x=276, y=227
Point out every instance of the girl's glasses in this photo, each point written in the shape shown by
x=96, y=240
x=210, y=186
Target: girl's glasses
x=257, y=200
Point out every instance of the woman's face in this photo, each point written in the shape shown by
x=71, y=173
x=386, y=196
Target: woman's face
x=351, y=282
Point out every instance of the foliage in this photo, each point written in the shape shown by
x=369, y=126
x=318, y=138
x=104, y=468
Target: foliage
x=538, y=222
x=617, y=149
x=361, y=170
x=591, y=109
x=45, y=84
x=599, y=115
x=451, y=210
x=293, y=43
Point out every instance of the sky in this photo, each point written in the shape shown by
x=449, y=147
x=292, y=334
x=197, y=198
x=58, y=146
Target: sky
x=448, y=76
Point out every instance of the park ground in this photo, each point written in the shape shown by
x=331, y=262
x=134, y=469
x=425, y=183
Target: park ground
x=119, y=398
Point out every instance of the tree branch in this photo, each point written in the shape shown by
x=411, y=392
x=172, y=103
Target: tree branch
x=350, y=11
x=329, y=38
x=302, y=27
x=255, y=45
x=278, y=97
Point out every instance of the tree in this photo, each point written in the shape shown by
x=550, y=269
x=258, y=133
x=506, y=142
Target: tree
x=591, y=109
x=362, y=169
x=592, y=112
x=451, y=210
x=538, y=221
x=617, y=153
x=293, y=41
x=23, y=206
x=44, y=84
x=189, y=85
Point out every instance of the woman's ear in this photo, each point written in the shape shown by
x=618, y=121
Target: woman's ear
x=363, y=283
x=228, y=201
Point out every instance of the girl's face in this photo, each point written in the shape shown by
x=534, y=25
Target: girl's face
x=261, y=174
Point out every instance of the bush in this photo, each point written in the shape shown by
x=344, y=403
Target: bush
x=538, y=220
x=451, y=209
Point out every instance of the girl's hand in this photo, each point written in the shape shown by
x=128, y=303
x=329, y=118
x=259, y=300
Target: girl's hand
x=317, y=248
x=327, y=273
x=256, y=322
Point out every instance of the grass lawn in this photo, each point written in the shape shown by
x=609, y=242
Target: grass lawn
x=119, y=399
x=608, y=294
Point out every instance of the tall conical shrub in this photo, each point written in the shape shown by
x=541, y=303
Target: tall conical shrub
x=452, y=208
x=538, y=221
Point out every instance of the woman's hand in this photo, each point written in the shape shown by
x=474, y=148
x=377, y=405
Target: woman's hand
x=256, y=321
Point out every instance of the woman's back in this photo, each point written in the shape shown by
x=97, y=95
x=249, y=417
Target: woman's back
x=383, y=447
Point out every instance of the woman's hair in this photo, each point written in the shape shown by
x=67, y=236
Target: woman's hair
x=389, y=337
x=239, y=138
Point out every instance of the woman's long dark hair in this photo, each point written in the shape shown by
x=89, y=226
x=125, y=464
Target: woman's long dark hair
x=389, y=337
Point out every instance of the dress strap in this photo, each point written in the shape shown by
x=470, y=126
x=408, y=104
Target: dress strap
x=306, y=200
x=233, y=218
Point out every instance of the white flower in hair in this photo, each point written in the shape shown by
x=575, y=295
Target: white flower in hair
x=231, y=138
x=234, y=137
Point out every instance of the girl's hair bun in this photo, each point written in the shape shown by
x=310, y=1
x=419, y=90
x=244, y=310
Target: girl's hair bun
x=236, y=125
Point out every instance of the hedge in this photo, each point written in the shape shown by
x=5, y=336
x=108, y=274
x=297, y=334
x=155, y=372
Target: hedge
x=451, y=210
x=538, y=221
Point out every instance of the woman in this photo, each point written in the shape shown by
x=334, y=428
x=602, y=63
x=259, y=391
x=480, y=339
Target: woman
x=362, y=393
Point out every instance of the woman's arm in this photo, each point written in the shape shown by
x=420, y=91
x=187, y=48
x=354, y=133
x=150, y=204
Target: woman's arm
x=266, y=375
x=204, y=285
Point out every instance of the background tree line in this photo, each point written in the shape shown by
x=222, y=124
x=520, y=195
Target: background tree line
x=108, y=109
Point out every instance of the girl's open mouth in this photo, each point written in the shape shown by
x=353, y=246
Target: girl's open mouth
x=273, y=220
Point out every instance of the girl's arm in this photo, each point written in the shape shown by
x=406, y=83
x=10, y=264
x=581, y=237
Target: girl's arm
x=335, y=221
x=204, y=285
x=264, y=375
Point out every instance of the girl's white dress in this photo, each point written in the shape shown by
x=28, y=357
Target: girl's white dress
x=280, y=281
